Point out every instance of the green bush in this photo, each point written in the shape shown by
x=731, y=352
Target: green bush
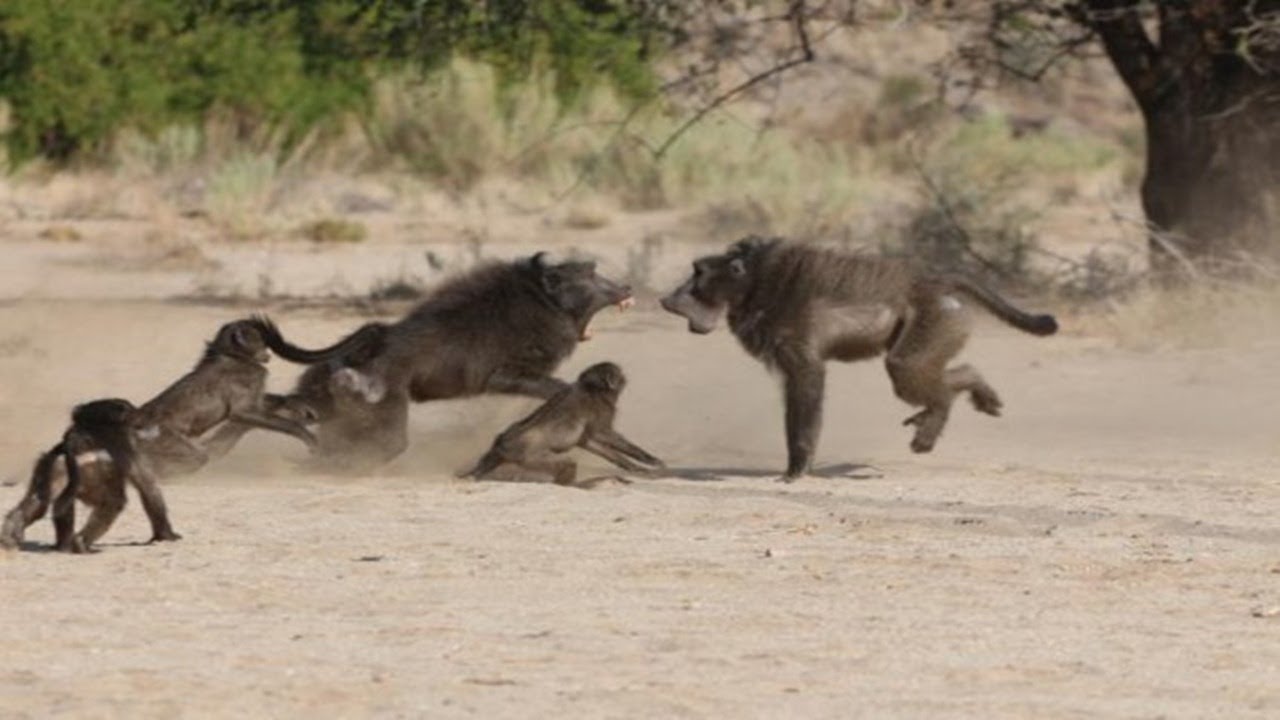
x=76, y=73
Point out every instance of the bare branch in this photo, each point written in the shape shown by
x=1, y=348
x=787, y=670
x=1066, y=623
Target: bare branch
x=797, y=16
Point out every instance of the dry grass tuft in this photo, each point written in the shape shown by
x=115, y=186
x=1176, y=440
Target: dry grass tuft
x=334, y=230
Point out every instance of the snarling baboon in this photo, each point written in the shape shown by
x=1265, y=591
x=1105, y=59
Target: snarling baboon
x=795, y=306
x=503, y=327
x=580, y=415
x=98, y=457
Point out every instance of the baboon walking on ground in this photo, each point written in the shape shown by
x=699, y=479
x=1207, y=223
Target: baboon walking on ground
x=98, y=458
x=795, y=306
x=581, y=415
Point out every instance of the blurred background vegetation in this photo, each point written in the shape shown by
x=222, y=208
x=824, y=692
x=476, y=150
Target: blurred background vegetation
x=77, y=73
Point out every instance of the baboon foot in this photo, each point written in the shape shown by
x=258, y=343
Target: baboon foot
x=77, y=547
x=922, y=444
x=985, y=400
x=164, y=536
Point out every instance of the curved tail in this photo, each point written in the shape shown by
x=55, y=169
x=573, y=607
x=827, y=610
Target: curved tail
x=68, y=494
x=356, y=348
x=1043, y=324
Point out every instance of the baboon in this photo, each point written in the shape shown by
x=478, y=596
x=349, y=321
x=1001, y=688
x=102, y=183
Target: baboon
x=503, y=327
x=581, y=415
x=98, y=457
x=227, y=385
x=345, y=403
x=795, y=307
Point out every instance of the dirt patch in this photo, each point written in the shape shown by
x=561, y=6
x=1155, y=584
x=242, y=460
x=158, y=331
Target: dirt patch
x=1103, y=550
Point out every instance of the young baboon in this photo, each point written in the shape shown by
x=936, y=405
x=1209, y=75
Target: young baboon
x=581, y=415
x=795, y=306
x=227, y=385
x=98, y=457
x=503, y=327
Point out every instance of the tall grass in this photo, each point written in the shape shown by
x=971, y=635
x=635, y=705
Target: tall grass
x=465, y=124
x=462, y=124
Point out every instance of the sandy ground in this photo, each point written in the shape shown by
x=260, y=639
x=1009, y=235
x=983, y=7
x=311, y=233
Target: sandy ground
x=1110, y=548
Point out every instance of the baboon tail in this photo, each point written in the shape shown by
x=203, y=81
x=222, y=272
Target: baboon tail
x=42, y=474
x=362, y=344
x=1028, y=322
x=44, y=471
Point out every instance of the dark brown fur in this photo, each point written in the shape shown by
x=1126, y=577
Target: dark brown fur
x=581, y=415
x=501, y=328
x=101, y=425
x=794, y=307
x=226, y=390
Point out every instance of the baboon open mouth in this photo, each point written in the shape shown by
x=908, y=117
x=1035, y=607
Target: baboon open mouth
x=623, y=305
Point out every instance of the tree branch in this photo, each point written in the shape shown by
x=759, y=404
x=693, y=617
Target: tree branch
x=796, y=14
x=1118, y=24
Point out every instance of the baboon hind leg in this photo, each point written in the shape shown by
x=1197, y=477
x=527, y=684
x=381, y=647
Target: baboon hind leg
x=917, y=364
x=153, y=504
x=966, y=378
x=31, y=508
x=100, y=520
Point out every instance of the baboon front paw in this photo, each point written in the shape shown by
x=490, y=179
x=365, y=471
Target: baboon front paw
x=165, y=536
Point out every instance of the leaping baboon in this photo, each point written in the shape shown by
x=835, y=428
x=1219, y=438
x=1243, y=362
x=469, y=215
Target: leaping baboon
x=503, y=327
x=795, y=306
x=98, y=457
x=580, y=415
x=227, y=385
x=345, y=403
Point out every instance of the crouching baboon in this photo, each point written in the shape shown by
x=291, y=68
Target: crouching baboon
x=794, y=307
x=98, y=457
x=503, y=327
x=581, y=415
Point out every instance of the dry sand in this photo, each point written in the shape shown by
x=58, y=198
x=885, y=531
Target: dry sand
x=1110, y=548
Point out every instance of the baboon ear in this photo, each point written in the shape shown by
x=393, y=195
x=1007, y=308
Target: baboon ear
x=737, y=267
x=551, y=280
x=539, y=260
x=748, y=244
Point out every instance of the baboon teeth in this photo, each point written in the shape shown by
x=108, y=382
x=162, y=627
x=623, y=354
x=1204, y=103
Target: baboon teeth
x=626, y=303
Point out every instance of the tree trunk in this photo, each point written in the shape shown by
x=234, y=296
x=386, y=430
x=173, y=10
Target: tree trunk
x=1211, y=172
x=1212, y=119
